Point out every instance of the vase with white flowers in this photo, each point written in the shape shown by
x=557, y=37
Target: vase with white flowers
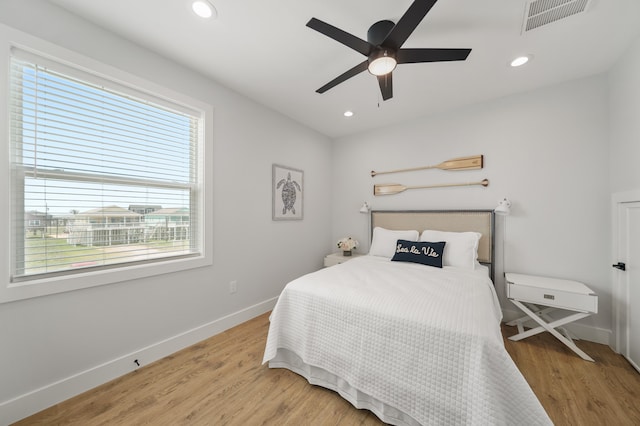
x=347, y=244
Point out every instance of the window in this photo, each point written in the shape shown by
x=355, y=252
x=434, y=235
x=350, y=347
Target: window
x=103, y=176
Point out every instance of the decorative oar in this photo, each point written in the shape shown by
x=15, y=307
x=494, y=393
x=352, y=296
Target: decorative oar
x=396, y=188
x=463, y=163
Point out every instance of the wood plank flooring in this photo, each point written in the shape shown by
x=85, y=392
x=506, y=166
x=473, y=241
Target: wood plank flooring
x=574, y=391
x=221, y=381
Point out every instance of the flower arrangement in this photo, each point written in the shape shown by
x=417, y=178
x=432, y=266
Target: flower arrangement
x=347, y=244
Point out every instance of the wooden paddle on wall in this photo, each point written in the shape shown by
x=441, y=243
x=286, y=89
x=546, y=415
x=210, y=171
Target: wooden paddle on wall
x=463, y=163
x=396, y=188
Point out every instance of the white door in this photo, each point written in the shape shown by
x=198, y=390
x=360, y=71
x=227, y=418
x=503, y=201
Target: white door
x=627, y=281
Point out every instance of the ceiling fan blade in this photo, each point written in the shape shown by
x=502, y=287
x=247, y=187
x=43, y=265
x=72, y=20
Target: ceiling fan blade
x=409, y=21
x=413, y=56
x=386, y=86
x=344, y=76
x=341, y=36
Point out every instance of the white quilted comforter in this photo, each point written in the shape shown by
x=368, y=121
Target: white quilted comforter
x=414, y=344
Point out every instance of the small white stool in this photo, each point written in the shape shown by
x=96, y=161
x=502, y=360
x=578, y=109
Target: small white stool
x=538, y=296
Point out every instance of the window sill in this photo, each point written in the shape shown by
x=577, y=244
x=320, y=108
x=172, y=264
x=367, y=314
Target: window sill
x=53, y=285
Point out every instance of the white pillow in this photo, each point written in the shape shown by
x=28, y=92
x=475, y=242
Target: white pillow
x=384, y=241
x=460, y=250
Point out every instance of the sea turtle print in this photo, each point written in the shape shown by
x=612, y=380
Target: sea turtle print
x=288, y=193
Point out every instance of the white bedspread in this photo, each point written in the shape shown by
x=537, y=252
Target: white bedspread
x=422, y=340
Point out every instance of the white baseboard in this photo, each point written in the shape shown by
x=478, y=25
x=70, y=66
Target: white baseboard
x=54, y=393
x=582, y=331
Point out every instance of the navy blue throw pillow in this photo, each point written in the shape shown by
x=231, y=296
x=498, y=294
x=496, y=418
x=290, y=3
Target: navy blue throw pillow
x=419, y=252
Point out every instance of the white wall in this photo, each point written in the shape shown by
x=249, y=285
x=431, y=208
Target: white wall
x=52, y=338
x=546, y=150
x=624, y=83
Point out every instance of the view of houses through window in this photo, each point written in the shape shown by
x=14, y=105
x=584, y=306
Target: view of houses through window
x=101, y=177
x=103, y=236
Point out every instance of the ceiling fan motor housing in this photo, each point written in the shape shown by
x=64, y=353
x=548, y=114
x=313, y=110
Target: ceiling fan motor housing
x=382, y=60
x=379, y=31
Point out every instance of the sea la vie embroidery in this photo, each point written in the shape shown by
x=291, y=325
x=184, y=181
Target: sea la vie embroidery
x=427, y=251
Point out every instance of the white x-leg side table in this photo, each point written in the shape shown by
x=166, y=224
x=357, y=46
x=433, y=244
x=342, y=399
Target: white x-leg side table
x=538, y=296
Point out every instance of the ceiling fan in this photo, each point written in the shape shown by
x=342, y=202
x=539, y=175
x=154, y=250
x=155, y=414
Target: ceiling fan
x=383, y=47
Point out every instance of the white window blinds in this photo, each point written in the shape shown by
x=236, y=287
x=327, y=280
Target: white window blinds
x=101, y=177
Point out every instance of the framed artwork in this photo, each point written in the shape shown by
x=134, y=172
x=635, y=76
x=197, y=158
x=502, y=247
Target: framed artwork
x=287, y=189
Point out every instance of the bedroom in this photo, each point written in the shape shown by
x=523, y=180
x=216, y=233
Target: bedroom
x=557, y=152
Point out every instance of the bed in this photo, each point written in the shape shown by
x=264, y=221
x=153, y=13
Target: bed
x=415, y=344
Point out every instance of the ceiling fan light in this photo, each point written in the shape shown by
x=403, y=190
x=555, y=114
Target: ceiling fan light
x=382, y=64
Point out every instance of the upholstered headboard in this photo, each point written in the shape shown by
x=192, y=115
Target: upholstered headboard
x=481, y=221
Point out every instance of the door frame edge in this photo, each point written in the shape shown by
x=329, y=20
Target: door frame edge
x=617, y=198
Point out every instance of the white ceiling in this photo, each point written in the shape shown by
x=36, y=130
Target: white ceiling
x=263, y=50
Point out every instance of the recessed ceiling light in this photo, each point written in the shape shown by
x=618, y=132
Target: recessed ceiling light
x=520, y=60
x=204, y=9
x=348, y=113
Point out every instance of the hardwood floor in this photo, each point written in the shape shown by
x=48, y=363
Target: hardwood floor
x=574, y=391
x=221, y=381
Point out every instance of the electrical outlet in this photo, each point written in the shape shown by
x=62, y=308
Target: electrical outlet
x=233, y=287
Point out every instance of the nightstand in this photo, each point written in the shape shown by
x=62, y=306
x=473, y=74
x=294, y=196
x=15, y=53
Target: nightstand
x=538, y=296
x=337, y=258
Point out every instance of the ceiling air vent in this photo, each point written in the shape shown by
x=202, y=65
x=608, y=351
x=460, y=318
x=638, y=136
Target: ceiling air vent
x=543, y=12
